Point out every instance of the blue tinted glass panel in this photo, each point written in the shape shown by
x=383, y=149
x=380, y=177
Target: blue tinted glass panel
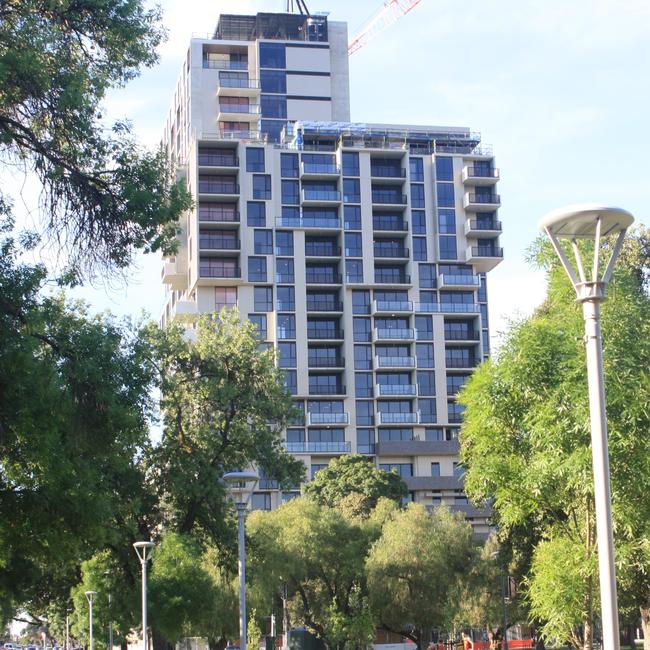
x=444, y=169
x=272, y=55
x=274, y=106
x=273, y=81
x=445, y=194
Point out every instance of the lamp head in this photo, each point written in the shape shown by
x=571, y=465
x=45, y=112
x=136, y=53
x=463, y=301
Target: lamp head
x=143, y=549
x=240, y=485
x=90, y=595
x=579, y=221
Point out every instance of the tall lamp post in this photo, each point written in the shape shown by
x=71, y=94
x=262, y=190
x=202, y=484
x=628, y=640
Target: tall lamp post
x=503, y=577
x=90, y=596
x=590, y=221
x=67, y=628
x=110, y=622
x=144, y=549
x=240, y=487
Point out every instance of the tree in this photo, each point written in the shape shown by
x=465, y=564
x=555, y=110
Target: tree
x=223, y=623
x=103, y=197
x=355, y=475
x=224, y=407
x=319, y=555
x=415, y=569
x=526, y=442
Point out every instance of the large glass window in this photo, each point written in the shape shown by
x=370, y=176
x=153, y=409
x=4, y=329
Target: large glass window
x=427, y=276
x=365, y=413
x=273, y=128
x=224, y=297
x=444, y=168
x=424, y=353
x=263, y=240
x=353, y=271
x=254, y=159
x=445, y=193
x=419, y=248
x=365, y=441
x=286, y=326
x=286, y=298
x=353, y=244
x=272, y=55
x=363, y=385
x=435, y=469
x=447, y=222
x=284, y=270
x=448, y=248
x=287, y=353
x=289, y=165
x=283, y=242
x=417, y=196
x=362, y=357
x=360, y=302
x=418, y=219
x=395, y=434
x=290, y=192
x=261, y=186
x=426, y=383
x=257, y=269
x=291, y=382
x=424, y=327
x=416, y=168
x=427, y=408
x=352, y=217
x=263, y=298
x=259, y=320
x=274, y=106
x=351, y=190
x=256, y=213
x=350, y=164
x=404, y=470
x=273, y=81
x=361, y=329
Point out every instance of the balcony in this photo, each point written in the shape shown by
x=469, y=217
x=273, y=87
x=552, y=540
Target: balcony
x=323, y=278
x=316, y=197
x=267, y=484
x=315, y=223
x=214, y=243
x=473, y=175
x=225, y=272
x=476, y=228
x=224, y=64
x=481, y=202
x=318, y=170
x=398, y=418
x=392, y=307
x=324, y=335
x=446, y=308
x=462, y=335
x=219, y=214
x=324, y=305
x=387, y=172
x=380, y=197
x=238, y=113
x=394, y=362
x=234, y=87
x=395, y=252
x=184, y=311
x=447, y=281
x=484, y=258
x=392, y=278
x=418, y=447
x=321, y=249
x=389, y=224
x=325, y=362
x=327, y=390
x=433, y=483
x=393, y=334
x=396, y=390
x=461, y=363
x=227, y=160
x=341, y=447
x=218, y=188
x=314, y=419
x=174, y=277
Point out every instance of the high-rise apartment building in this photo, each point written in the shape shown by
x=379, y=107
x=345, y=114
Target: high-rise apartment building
x=359, y=250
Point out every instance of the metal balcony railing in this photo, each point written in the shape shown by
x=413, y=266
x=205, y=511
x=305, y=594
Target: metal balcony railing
x=341, y=447
x=327, y=418
x=218, y=214
x=395, y=362
x=389, y=224
x=479, y=251
x=386, y=171
x=218, y=160
x=219, y=243
x=223, y=272
x=214, y=187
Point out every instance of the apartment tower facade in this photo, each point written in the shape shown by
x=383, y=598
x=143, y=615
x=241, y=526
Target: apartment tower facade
x=359, y=250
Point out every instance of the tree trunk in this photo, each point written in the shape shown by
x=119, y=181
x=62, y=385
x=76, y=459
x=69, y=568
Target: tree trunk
x=159, y=641
x=645, y=625
x=217, y=644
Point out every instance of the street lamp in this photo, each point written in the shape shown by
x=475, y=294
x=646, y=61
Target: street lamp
x=240, y=487
x=110, y=622
x=504, y=577
x=143, y=549
x=90, y=595
x=589, y=221
x=67, y=628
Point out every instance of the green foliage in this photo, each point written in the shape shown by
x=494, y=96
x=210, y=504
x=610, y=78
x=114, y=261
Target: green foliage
x=254, y=630
x=526, y=435
x=223, y=623
x=355, y=482
x=415, y=569
x=224, y=406
x=103, y=197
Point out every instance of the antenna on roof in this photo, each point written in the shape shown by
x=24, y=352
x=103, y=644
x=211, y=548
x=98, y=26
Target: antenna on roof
x=300, y=4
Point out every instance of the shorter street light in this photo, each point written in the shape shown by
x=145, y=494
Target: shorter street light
x=144, y=549
x=90, y=595
x=67, y=628
x=240, y=487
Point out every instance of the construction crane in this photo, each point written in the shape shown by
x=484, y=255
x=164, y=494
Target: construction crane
x=302, y=7
x=392, y=11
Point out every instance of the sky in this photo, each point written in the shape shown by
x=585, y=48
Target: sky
x=559, y=89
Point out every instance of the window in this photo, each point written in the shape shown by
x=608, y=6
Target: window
x=272, y=55
x=445, y=195
x=315, y=468
x=291, y=382
x=365, y=441
x=444, y=168
x=455, y=383
x=350, y=164
x=419, y=248
x=273, y=106
x=290, y=192
x=361, y=329
x=455, y=413
x=351, y=190
x=435, y=469
x=448, y=248
x=256, y=213
x=286, y=326
x=261, y=186
x=352, y=217
x=353, y=244
x=447, y=222
x=286, y=299
x=259, y=320
x=224, y=297
x=362, y=357
x=427, y=409
x=325, y=385
x=353, y=271
x=363, y=384
x=482, y=291
x=404, y=470
x=434, y=434
x=365, y=412
x=397, y=434
x=273, y=81
x=263, y=298
x=426, y=383
x=323, y=356
x=287, y=355
x=263, y=242
x=361, y=302
x=323, y=328
x=417, y=196
x=289, y=165
x=325, y=406
x=424, y=327
x=457, y=297
x=427, y=276
x=254, y=159
x=283, y=242
x=284, y=270
x=416, y=167
x=261, y=501
x=418, y=219
x=424, y=353
x=459, y=470
x=257, y=269
x=273, y=128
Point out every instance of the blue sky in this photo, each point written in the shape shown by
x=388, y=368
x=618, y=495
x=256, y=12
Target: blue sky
x=560, y=89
